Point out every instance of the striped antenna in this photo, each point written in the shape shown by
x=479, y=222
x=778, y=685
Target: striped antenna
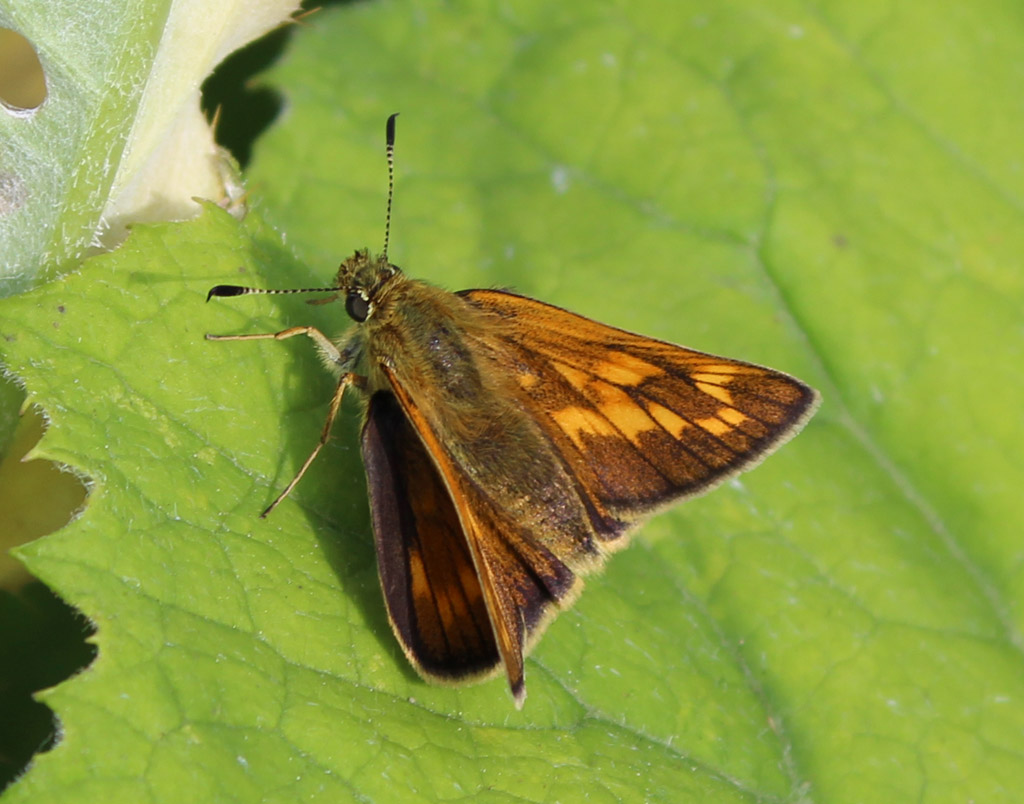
x=238, y=290
x=390, y=139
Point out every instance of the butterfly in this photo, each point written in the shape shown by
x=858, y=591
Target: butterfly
x=510, y=446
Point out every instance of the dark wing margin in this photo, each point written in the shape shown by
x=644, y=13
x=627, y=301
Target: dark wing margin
x=644, y=422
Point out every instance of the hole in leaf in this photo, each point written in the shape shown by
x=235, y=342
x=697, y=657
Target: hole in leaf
x=36, y=496
x=22, y=82
x=43, y=638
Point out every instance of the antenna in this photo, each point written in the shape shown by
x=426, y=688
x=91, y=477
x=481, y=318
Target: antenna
x=238, y=290
x=390, y=139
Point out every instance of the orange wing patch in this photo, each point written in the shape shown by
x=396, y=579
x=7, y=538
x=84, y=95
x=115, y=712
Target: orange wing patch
x=625, y=369
x=717, y=391
x=672, y=423
x=622, y=411
x=732, y=416
x=577, y=422
x=612, y=411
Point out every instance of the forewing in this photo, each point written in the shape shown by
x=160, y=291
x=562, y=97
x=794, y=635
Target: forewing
x=643, y=422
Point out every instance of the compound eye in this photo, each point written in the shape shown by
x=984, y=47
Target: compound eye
x=357, y=307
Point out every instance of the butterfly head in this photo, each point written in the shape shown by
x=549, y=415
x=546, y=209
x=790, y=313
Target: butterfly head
x=365, y=281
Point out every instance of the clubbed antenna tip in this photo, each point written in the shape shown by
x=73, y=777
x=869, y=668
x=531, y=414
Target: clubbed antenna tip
x=389, y=134
x=227, y=290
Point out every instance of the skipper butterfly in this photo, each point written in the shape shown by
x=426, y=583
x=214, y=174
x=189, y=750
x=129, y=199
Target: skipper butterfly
x=510, y=446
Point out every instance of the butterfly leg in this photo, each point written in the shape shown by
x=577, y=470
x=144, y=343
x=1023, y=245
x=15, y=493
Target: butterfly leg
x=322, y=341
x=346, y=380
x=342, y=359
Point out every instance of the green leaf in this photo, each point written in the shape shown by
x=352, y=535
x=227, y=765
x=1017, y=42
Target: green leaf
x=794, y=187
x=120, y=137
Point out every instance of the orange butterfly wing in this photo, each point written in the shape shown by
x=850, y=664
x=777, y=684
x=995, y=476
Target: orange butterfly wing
x=641, y=422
